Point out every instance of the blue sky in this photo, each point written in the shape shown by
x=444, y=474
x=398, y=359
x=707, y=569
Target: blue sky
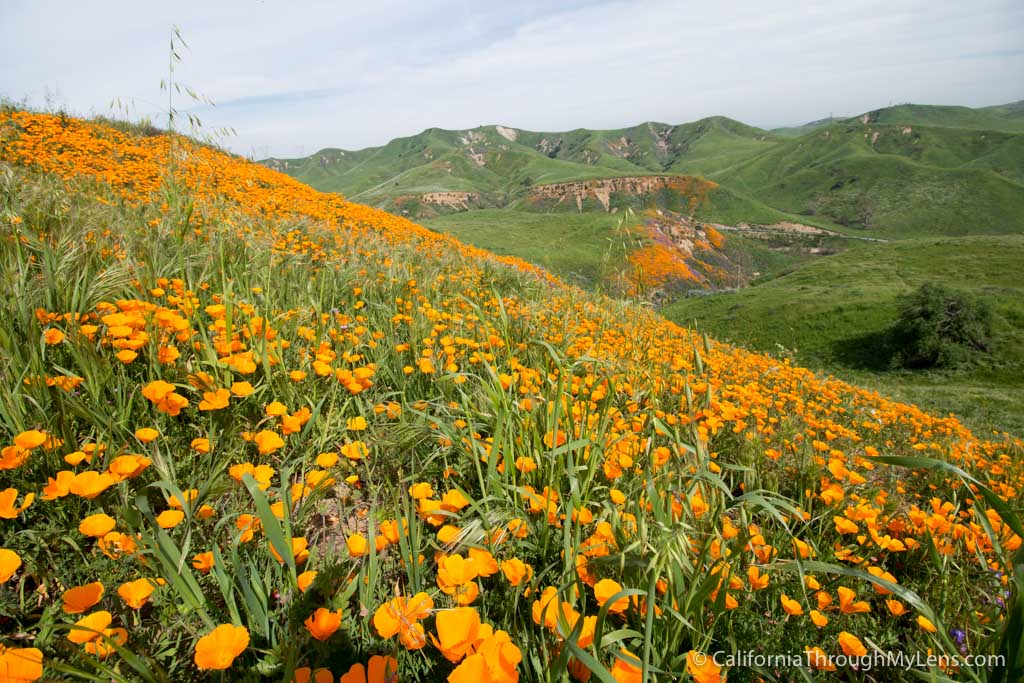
x=293, y=77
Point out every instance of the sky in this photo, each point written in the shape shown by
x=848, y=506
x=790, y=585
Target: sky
x=293, y=77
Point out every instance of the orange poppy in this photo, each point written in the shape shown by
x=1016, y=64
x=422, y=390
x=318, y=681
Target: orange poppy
x=219, y=648
x=81, y=598
x=89, y=627
x=8, y=503
x=851, y=645
x=379, y=669
x=136, y=593
x=457, y=631
x=97, y=525
x=20, y=664
x=323, y=623
x=9, y=563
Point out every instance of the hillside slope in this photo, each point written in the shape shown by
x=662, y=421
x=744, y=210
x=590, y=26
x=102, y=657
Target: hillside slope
x=255, y=429
x=1006, y=117
x=440, y=171
x=833, y=313
x=1003, y=117
x=892, y=180
x=900, y=171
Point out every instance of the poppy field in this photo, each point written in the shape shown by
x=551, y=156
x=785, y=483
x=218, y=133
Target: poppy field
x=251, y=431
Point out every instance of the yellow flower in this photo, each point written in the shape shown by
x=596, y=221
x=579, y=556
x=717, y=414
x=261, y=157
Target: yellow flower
x=215, y=400
x=516, y=571
x=89, y=484
x=203, y=562
x=401, y=616
x=305, y=580
x=168, y=519
x=379, y=669
x=421, y=490
x=126, y=356
x=818, y=659
x=356, y=450
x=627, y=670
x=276, y=409
x=896, y=608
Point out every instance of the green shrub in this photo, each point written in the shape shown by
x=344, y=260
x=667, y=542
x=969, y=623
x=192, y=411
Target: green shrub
x=940, y=327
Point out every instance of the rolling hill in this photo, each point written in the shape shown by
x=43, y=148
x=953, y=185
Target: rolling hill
x=903, y=170
x=442, y=171
x=891, y=180
x=832, y=313
x=251, y=431
x=1003, y=117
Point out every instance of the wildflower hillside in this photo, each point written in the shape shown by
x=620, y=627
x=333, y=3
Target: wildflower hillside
x=252, y=431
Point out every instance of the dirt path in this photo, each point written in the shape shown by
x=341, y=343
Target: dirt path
x=789, y=228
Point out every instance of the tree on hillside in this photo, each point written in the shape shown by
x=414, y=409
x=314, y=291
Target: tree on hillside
x=940, y=327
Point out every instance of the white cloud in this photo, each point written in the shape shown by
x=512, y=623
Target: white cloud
x=291, y=78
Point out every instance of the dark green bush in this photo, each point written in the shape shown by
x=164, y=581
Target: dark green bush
x=940, y=327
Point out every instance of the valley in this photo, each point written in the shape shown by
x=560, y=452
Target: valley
x=629, y=212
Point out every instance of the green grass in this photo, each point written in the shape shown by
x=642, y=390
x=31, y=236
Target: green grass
x=830, y=312
x=487, y=162
x=639, y=461
x=1005, y=117
x=576, y=247
x=885, y=182
x=904, y=171
x=585, y=249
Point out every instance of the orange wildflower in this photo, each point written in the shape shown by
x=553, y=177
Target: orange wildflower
x=218, y=649
x=323, y=623
x=81, y=598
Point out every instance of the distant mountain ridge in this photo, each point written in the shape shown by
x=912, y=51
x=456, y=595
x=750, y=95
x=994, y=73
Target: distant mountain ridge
x=907, y=169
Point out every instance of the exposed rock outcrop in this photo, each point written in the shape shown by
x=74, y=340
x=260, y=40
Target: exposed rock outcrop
x=602, y=189
x=460, y=201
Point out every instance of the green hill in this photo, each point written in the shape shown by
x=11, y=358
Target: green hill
x=495, y=166
x=900, y=171
x=831, y=313
x=946, y=182
x=1007, y=117
x=1004, y=117
x=892, y=180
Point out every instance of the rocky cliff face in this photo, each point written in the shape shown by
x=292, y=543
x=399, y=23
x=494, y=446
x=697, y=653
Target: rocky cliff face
x=459, y=201
x=603, y=189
